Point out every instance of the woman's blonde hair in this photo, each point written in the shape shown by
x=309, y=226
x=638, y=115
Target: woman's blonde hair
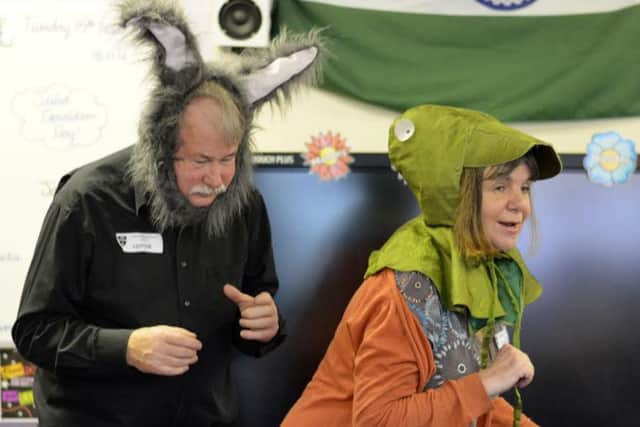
x=469, y=235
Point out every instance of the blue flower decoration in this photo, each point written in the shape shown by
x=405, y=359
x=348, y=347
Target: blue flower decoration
x=610, y=158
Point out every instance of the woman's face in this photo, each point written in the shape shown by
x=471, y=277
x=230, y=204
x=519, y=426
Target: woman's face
x=506, y=204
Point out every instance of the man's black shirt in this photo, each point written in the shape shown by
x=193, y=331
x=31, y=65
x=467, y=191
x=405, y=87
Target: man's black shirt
x=101, y=270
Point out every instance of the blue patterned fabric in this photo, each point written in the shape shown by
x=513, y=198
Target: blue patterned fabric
x=456, y=354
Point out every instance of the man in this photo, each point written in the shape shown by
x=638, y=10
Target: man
x=153, y=261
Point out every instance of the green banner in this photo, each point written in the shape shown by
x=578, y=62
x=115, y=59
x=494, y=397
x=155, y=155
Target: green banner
x=518, y=68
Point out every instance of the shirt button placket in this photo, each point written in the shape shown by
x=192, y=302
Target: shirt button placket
x=184, y=264
x=184, y=245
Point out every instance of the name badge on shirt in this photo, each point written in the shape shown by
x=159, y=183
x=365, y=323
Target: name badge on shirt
x=501, y=337
x=140, y=242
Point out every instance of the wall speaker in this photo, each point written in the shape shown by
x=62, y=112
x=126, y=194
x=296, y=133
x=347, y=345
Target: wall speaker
x=241, y=23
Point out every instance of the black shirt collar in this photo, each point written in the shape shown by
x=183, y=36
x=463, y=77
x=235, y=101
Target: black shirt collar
x=141, y=198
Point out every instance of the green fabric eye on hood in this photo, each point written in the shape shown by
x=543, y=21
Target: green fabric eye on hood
x=430, y=144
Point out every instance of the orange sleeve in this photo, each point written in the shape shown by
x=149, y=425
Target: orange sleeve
x=391, y=368
x=502, y=415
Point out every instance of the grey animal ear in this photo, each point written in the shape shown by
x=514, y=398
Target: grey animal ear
x=163, y=26
x=178, y=54
x=262, y=84
x=273, y=74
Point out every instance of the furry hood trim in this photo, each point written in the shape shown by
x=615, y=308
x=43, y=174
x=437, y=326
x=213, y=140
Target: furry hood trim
x=253, y=78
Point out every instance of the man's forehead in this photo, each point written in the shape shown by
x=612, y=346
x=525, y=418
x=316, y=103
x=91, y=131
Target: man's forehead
x=210, y=151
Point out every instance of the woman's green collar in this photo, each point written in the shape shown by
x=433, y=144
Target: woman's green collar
x=431, y=251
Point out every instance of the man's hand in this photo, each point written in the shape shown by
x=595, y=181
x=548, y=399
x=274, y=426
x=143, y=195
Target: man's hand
x=162, y=350
x=258, y=315
x=511, y=367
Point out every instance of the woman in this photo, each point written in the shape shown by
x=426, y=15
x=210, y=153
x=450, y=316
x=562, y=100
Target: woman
x=423, y=341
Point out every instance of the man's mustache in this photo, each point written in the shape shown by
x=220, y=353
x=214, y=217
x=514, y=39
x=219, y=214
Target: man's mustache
x=205, y=190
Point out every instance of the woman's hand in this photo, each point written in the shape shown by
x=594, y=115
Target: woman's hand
x=511, y=367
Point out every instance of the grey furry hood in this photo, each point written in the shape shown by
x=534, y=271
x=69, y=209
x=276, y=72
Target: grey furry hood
x=256, y=77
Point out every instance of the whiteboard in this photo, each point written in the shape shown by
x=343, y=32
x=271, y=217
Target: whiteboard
x=71, y=90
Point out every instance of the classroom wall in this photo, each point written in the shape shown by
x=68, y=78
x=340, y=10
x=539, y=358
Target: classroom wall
x=365, y=126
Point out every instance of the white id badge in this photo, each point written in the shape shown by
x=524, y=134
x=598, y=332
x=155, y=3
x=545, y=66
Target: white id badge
x=501, y=337
x=140, y=242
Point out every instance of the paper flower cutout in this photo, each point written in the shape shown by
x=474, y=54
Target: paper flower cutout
x=610, y=158
x=328, y=156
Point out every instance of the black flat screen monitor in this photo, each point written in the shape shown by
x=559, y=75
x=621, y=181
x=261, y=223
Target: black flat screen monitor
x=581, y=335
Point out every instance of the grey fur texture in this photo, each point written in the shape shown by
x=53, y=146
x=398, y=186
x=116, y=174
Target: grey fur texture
x=151, y=166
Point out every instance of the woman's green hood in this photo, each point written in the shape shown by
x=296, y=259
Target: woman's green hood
x=430, y=144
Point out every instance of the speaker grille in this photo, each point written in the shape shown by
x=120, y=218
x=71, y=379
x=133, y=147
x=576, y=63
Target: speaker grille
x=240, y=19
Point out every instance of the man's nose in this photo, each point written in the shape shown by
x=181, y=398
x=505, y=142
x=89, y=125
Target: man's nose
x=213, y=175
